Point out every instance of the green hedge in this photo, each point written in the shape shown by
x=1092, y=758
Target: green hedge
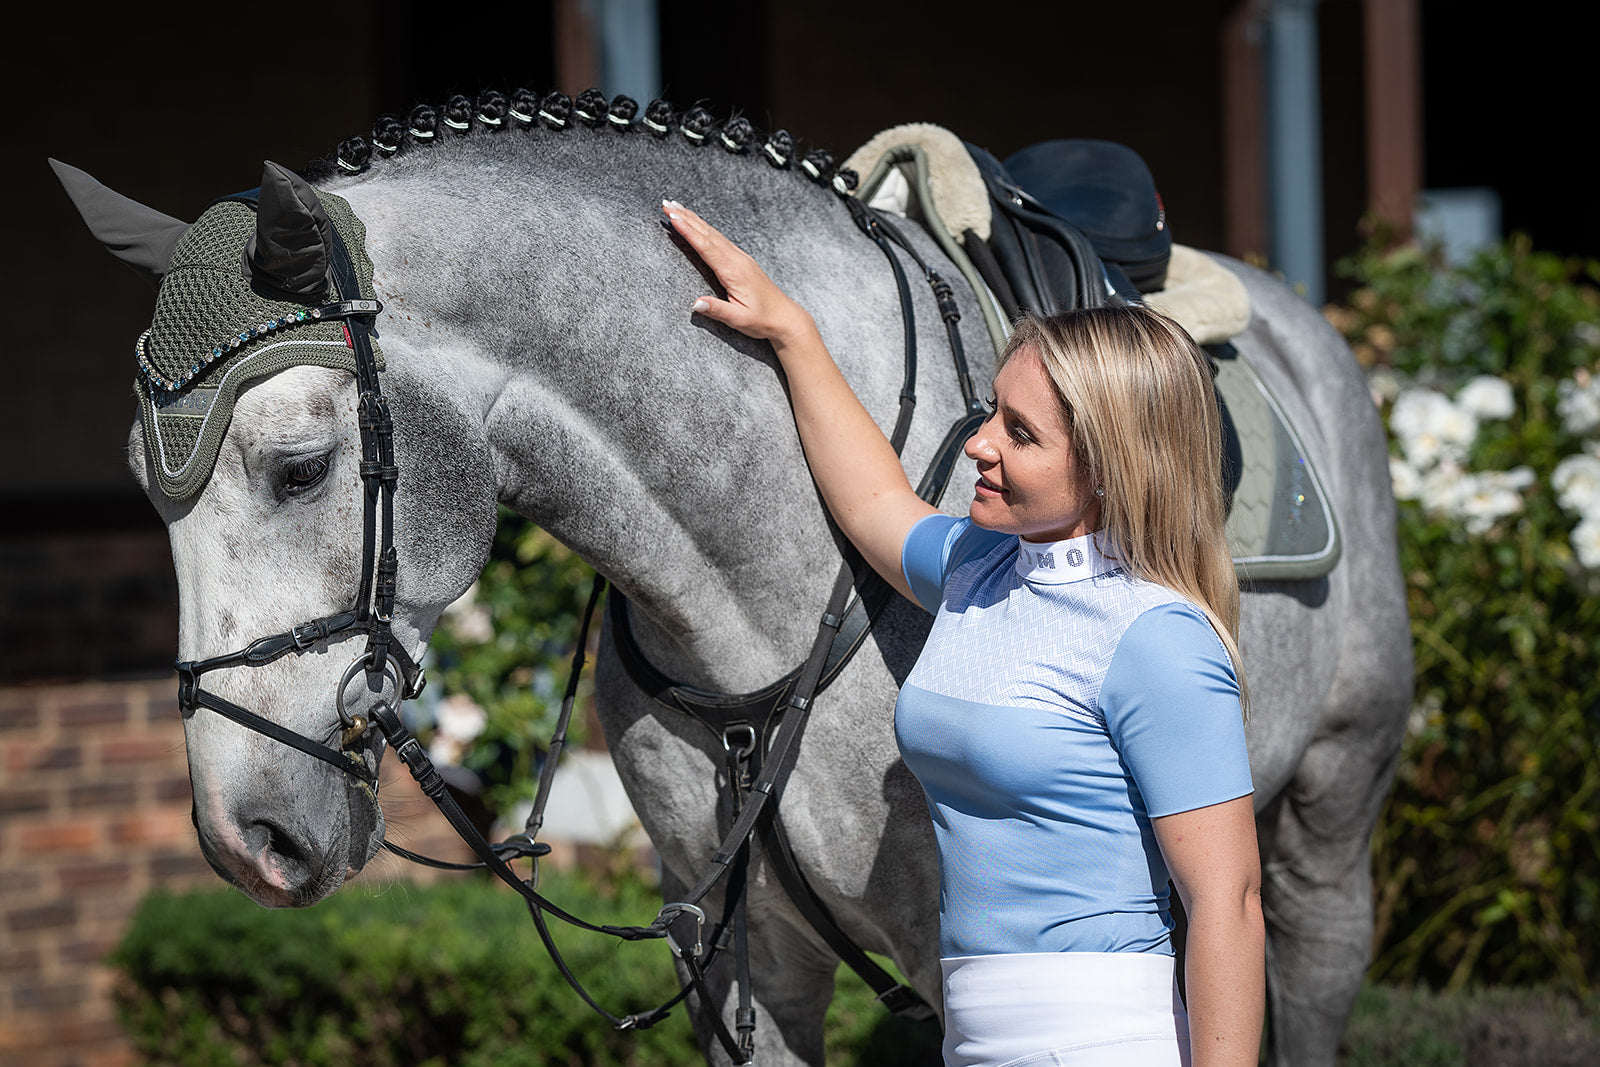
x=1487, y=858
x=445, y=975
x=454, y=974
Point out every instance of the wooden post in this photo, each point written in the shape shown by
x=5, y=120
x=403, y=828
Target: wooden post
x=1244, y=207
x=577, y=53
x=1393, y=45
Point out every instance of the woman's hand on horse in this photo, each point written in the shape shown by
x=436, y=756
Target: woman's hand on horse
x=755, y=305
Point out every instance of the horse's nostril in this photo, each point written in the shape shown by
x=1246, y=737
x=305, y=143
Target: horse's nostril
x=263, y=838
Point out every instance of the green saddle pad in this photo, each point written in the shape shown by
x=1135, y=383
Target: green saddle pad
x=1280, y=525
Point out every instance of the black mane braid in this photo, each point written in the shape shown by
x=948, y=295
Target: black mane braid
x=462, y=118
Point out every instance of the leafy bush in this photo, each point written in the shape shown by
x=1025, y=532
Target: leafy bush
x=1486, y=860
x=444, y=975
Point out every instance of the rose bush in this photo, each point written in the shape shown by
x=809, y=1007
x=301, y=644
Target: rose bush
x=1485, y=861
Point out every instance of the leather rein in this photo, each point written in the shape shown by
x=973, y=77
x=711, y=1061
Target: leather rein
x=758, y=730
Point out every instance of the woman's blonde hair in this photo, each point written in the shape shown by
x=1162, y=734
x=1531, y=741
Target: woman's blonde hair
x=1136, y=394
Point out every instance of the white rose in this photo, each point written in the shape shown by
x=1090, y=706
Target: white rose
x=1577, y=481
x=1579, y=404
x=1586, y=542
x=459, y=718
x=1431, y=429
x=1486, y=498
x=1487, y=397
x=1404, y=478
x=1441, y=489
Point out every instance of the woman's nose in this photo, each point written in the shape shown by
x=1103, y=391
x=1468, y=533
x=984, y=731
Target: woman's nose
x=979, y=445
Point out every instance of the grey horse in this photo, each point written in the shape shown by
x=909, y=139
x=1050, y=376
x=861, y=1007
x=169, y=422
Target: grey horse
x=540, y=352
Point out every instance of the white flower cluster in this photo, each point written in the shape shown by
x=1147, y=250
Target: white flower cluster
x=1576, y=479
x=1579, y=403
x=1436, y=435
x=457, y=723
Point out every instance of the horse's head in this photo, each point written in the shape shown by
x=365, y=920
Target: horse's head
x=261, y=441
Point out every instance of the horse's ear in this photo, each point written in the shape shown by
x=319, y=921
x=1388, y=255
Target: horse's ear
x=292, y=246
x=140, y=236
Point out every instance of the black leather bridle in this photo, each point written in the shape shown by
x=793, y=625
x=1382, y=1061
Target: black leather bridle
x=374, y=606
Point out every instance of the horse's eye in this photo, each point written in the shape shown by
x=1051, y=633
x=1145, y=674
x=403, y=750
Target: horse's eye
x=302, y=474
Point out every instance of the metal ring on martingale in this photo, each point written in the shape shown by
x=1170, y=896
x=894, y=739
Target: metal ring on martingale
x=749, y=744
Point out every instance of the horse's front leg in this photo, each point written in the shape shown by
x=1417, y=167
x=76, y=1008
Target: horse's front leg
x=791, y=982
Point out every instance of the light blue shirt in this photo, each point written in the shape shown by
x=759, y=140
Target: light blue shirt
x=1057, y=707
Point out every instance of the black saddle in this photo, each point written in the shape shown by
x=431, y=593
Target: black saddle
x=1105, y=190
x=1074, y=224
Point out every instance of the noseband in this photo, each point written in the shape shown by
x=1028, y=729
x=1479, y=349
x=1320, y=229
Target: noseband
x=374, y=605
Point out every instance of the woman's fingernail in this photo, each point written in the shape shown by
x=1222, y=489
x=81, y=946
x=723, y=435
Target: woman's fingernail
x=671, y=206
x=701, y=305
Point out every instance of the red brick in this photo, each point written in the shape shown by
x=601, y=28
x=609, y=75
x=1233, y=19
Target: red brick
x=42, y=757
x=19, y=959
x=47, y=996
x=187, y=866
x=89, y=875
x=23, y=718
x=139, y=749
x=119, y=796
x=165, y=711
x=59, y=836
x=50, y=916
x=152, y=828
x=101, y=713
x=22, y=801
x=16, y=883
x=90, y=951
x=175, y=788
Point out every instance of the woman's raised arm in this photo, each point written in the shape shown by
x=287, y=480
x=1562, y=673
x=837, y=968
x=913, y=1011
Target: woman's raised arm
x=860, y=476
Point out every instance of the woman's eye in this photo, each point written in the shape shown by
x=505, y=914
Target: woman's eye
x=302, y=474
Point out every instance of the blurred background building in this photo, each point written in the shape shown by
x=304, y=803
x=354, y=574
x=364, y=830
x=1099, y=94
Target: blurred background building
x=1273, y=127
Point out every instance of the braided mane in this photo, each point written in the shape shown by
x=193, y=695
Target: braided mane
x=493, y=114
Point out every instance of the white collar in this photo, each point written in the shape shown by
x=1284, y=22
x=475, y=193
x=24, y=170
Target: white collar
x=1060, y=562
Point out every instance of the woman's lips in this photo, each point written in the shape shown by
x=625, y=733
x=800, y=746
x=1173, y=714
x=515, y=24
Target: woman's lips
x=985, y=487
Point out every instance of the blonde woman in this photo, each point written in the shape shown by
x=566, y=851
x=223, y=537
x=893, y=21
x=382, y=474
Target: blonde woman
x=1075, y=718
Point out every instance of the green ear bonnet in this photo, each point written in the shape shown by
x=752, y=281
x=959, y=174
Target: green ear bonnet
x=214, y=332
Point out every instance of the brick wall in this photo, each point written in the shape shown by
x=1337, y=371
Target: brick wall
x=94, y=813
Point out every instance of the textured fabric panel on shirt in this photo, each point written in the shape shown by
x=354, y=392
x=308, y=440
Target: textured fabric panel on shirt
x=1043, y=846
x=998, y=639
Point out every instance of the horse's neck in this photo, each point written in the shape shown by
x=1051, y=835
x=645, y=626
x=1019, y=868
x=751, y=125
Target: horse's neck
x=659, y=448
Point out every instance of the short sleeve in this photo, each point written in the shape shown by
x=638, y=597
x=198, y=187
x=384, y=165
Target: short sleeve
x=935, y=547
x=1171, y=704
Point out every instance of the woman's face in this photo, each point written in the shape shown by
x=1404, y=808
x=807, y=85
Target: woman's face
x=1029, y=479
